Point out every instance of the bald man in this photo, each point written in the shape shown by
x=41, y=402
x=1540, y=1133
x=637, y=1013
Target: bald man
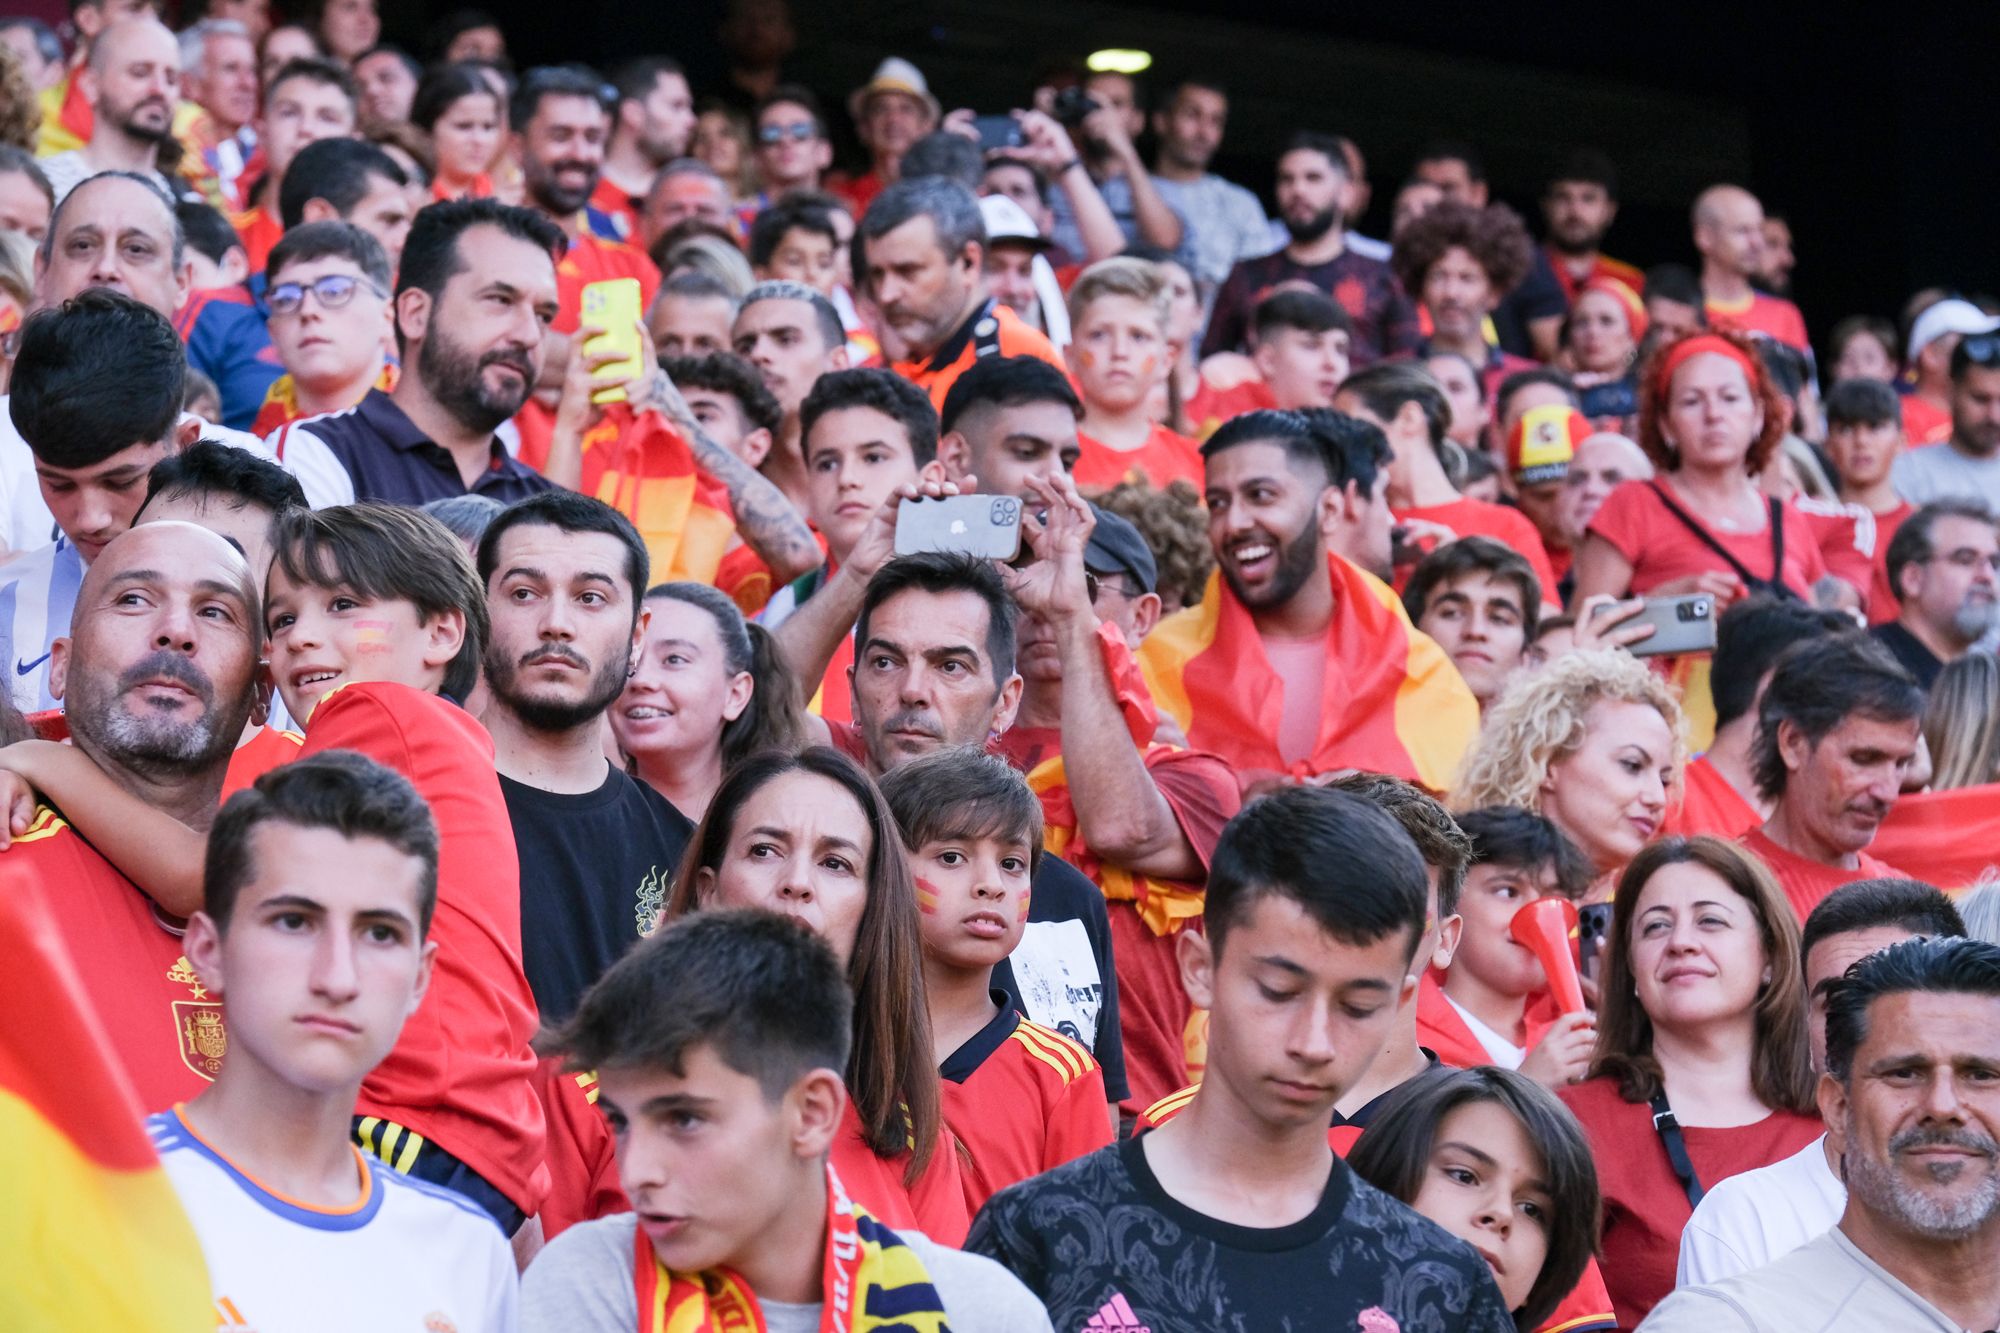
x=155, y=677
x=132, y=81
x=1729, y=232
x=1600, y=464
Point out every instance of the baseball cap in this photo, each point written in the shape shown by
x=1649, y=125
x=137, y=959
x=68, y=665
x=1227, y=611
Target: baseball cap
x=1543, y=441
x=1949, y=316
x=1117, y=548
x=894, y=75
x=1008, y=221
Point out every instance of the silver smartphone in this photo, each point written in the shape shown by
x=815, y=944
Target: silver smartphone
x=1683, y=624
x=987, y=526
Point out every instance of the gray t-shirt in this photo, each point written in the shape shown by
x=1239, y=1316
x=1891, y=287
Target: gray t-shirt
x=1225, y=223
x=1824, y=1286
x=1939, y=471
x=582, y=1283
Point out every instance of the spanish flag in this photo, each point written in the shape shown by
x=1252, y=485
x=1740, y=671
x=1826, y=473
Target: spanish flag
x=93, y=1235
x=644, y=469
x=1947, y=838
x=67, y=119
x=281, y=400
x=1392, y=703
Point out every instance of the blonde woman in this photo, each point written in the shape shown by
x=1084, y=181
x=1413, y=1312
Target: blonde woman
x=1595, y=742
x=1962, y=723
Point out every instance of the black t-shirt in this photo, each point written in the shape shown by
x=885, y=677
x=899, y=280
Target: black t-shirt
x=1908, y=649
x=1104, y=1246
x=595, y=867
x=1539, y=295
x=1062, y=969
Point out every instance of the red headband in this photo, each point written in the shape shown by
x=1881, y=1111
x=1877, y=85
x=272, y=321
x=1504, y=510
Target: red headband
x=1628, y=300
x=1688, y=348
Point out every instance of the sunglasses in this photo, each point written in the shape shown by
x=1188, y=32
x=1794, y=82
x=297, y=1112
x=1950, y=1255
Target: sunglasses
x=777, y=134
x=332, y=292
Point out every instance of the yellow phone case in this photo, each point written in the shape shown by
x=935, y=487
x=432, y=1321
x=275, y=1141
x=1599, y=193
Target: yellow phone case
x=613, y=305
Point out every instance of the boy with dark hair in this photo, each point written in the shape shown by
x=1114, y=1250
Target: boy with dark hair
x=1315, y=909
x=327, y=290
x=718, y=1045
x=1864, y=437
x=1021, y=1098
x=1480, y=600
x=320, y=884
x=1493, y=1006
x=1301, y=348
x=349, y=180
x=308, y=99
x=795, y=240
x=1005, y=420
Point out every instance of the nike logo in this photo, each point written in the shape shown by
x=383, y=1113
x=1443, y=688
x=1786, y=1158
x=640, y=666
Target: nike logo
x=23, y=668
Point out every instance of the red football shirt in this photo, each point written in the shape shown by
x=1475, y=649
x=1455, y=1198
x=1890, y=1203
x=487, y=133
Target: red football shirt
x=583, y=1160
x=462, y=1074
x=1711, y=805
x=1882, y=604
x=1806, y=882
x=1469, y=517
x=1660, y=548
x=258, y=756
x=1443, y=1029
x=165, y=1027
x=1023, y=1099
x=592, y=259
x=1924, y=422
x=934, y=1205
x=1209, y=407
x=1645, y=1207
x=1772, y=316
x=1165, y=457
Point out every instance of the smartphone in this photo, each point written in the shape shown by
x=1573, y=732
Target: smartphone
x=1680, y=625
x=613, y=305
x=997, y=132
x=1593, y=928
x=987, y=526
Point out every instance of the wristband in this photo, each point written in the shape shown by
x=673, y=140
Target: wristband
x=1069, y=166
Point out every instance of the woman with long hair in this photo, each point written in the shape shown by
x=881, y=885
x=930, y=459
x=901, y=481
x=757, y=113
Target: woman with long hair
x=1594, y=741
x=709, y=691
x=807, y=834
x=1702, y=1068
x=1601, y=343
x=456, y=105
x=1962, y=723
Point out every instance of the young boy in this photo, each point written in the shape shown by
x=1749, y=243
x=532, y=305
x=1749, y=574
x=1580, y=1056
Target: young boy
x=1315, y=911
x=1493, y=1005
x=375, y=620
x=718, y=1045
x=1864, y=435
x=1022, y=1098
x=1118, y=356
x=320, y=884
x=328, y=294
x=794, y=241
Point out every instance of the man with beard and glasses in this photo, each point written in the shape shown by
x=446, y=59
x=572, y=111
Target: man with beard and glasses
x=1312, y=183
x=1579, y=206
x=155, y=677
x=131, y=81
x=1944, y=568
x=476, y=290
x=1911, y=1097
x=1837, y=730
x=1298, y=662
x=565, y=579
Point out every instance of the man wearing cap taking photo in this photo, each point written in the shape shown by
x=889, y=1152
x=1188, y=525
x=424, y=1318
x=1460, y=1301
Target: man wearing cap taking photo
x=891, y=111
x=1966, y=465
x=1934, y=336
x=1139, y=818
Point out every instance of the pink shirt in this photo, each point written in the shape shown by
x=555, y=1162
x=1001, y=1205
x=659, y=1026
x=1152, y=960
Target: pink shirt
x=1301, y=665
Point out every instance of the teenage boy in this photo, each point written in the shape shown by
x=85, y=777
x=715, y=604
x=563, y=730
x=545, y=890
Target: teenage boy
x=1118, y=356
x=1481, y=601
x=793, y=335
x=319, y=889
x=1021, y=1098
x=1864, y=437
x=1315, y=910
x=1493, y=1005
x=327, y=290
x=375, y=622
x=718, y=1045
x=1303, y=348
x=794, y=241
x=736, y=411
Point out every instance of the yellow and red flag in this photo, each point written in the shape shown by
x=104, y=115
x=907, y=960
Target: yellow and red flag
x=93, y=1234
x=1392, y=702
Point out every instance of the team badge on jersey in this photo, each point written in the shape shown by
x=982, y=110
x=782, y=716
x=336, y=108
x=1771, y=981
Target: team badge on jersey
x=198, y=1023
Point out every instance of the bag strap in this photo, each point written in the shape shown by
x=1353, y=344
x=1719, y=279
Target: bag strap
x=1776, y=583
x=1669, y=1130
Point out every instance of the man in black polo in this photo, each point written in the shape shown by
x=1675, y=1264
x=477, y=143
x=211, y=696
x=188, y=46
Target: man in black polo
x=476, y=291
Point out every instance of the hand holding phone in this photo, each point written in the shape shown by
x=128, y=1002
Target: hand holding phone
x=1678, y=625
x=613, y=306
x=986, y=526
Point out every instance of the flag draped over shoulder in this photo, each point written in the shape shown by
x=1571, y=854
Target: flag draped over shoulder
x=646, y=471
x=1947, y=838
x=93, y=1234
x=1392, y=703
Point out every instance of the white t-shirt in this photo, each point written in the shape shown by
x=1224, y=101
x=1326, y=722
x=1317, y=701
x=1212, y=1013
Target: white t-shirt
x=1750, y=1219
x=37, y=594
x=408, y=1255
x=1824, y=1286
x=1938, y=471
x=1505, y=1053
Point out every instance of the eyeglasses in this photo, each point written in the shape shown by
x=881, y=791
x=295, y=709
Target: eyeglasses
x=1094, y=584
x=1967, y=558
x=332, y=291
x=770, y=135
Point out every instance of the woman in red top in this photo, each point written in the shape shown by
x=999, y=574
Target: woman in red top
x=458, y=108
x=808, y=835
x=1709, y=418
x=1702, y=1067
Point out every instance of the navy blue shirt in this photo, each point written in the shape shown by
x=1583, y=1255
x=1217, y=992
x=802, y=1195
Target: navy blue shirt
x=374, y=452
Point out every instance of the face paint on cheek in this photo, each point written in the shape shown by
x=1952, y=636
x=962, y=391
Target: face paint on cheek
x=372, y=636
x=927, y=896
x=1148, y=364
x=1086, y=358
x=1021, y=908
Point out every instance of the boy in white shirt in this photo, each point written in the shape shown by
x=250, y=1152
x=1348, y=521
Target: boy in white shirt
x=319, y=887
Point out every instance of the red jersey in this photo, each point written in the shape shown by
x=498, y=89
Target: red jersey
x=583, y=1160
x=1023, y=1099
x=1165, y=457
x=461, y=1074
x=1660, y=548
x=1443, y=1029
x=1602, y=266
x=259, y=229
x=592, y=259
x=618, y=208
x=258, y=756
x=1772, y=316
x=1209, y=406
x=1710, y=804
x=993, y=330
x=859, y=191
x=1882, y=604
x=1469, y=517
x=934, y=1205
x=1806, y=882
x=1847, y=540
x=165, y=1027
x=1645, y=1207
x=1924, y=422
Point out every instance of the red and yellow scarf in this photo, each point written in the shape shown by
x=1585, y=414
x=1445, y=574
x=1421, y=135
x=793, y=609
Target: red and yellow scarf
x=864, y=1259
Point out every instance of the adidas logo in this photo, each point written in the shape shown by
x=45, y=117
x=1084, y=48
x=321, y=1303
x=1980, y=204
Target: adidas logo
x=1116, y=1317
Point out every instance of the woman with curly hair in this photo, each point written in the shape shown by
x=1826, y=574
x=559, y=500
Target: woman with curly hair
x=1710, y=419
x=1459, y=261
x=1593, y=742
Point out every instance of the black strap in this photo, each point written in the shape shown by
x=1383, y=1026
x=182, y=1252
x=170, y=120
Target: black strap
x=1774, y=585
x=1677, y=1149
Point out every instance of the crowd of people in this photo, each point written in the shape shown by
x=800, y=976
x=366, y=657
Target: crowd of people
x=528, y=801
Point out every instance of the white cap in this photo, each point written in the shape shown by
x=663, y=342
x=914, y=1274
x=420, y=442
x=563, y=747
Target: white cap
x=894, y=75
x=1949, y=316
x=1008, y=221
